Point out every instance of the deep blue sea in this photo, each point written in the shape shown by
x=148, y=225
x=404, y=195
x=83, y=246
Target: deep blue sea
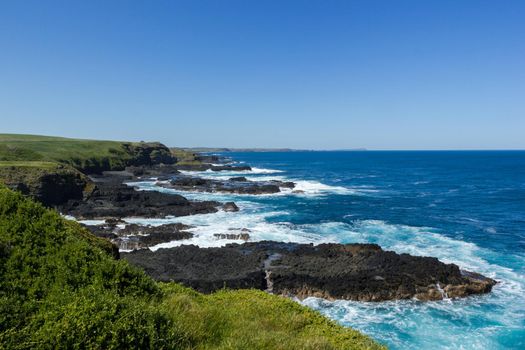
x=462, y=207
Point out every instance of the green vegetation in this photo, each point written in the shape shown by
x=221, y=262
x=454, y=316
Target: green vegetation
x=85, y=155
x=31, y=173
x=185, y=157
x=61, y=287
x=51, y=166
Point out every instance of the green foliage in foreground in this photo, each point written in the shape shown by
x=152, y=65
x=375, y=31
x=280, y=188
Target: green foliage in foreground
x=60, y=287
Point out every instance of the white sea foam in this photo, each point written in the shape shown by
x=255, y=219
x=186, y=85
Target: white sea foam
x=302, y=188
x=427, y=324
x=402, y=324
x=452, y=324
x=205, y=227
x=92, y=222
x=315, y=188
x=256, y=170
x=211, y=173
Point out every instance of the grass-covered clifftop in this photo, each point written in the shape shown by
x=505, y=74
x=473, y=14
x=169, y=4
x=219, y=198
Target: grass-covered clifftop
x=185, y=157
x=85, y=155
x=61, y=287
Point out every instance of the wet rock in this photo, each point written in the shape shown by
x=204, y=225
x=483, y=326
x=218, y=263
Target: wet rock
x=158, y=170
x=133, y=236
x=361, y=272
x=239, y=179
x=112, y=199
x=204, y=167
x=283, y=184
x=103, y=231
x=230, y=207
x=236, y=236
x=230, y=168
x=114, y=221
x=189, y=183
x=205, y=270
x=178, y=230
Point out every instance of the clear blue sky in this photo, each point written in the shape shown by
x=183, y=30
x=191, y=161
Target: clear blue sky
x=421, y=74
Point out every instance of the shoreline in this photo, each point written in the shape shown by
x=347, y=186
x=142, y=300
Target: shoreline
x=136, y=240
x=185, y=215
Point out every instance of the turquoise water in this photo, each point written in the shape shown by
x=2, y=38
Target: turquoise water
x=462, y=207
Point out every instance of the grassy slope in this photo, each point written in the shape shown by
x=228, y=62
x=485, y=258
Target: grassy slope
x=81, y=154
x=34, y=147
x=61, y=288
x=184, y=157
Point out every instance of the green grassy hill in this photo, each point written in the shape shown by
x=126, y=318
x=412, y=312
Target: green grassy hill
x=86, y=155
x=62, y=288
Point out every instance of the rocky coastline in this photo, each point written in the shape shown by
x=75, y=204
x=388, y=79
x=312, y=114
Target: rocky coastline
x=362, y=272
x=238, y=185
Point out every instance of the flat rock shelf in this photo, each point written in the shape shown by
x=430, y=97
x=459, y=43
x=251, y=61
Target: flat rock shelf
x=362, y=272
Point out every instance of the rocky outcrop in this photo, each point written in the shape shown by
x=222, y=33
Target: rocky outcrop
x=207, y=166
x=239, y=179
x=153, y=170
x=49, y=183
x=238, y=185
x=236, y=234
x=361, y=272
x=205, y=270
x=120, y=156
x=208, y=158
x=116, y=200
x=148, y=153
x=133, y=236
x=230, y=206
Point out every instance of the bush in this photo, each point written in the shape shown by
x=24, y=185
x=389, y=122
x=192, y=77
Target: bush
x=60, y=287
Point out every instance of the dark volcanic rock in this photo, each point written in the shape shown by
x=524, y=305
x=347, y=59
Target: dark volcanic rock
x=206, y=270
x=189, y=183
x=51, y=185
x=283, y=184
x=367, y=273
x=204, y=167
x=159, y=170
x=137, y=237
x=243, y=234
x=149, y=153
x=230, y=206
x=134, y=236
x=208, y=158
x=112, y=199
x=239, y=179
x=362, y=272
x=103, y=231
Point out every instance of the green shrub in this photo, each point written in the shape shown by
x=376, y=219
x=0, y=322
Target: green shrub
x=61, y=288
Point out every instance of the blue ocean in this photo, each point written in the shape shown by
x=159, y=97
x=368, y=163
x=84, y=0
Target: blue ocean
x=466, y=208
